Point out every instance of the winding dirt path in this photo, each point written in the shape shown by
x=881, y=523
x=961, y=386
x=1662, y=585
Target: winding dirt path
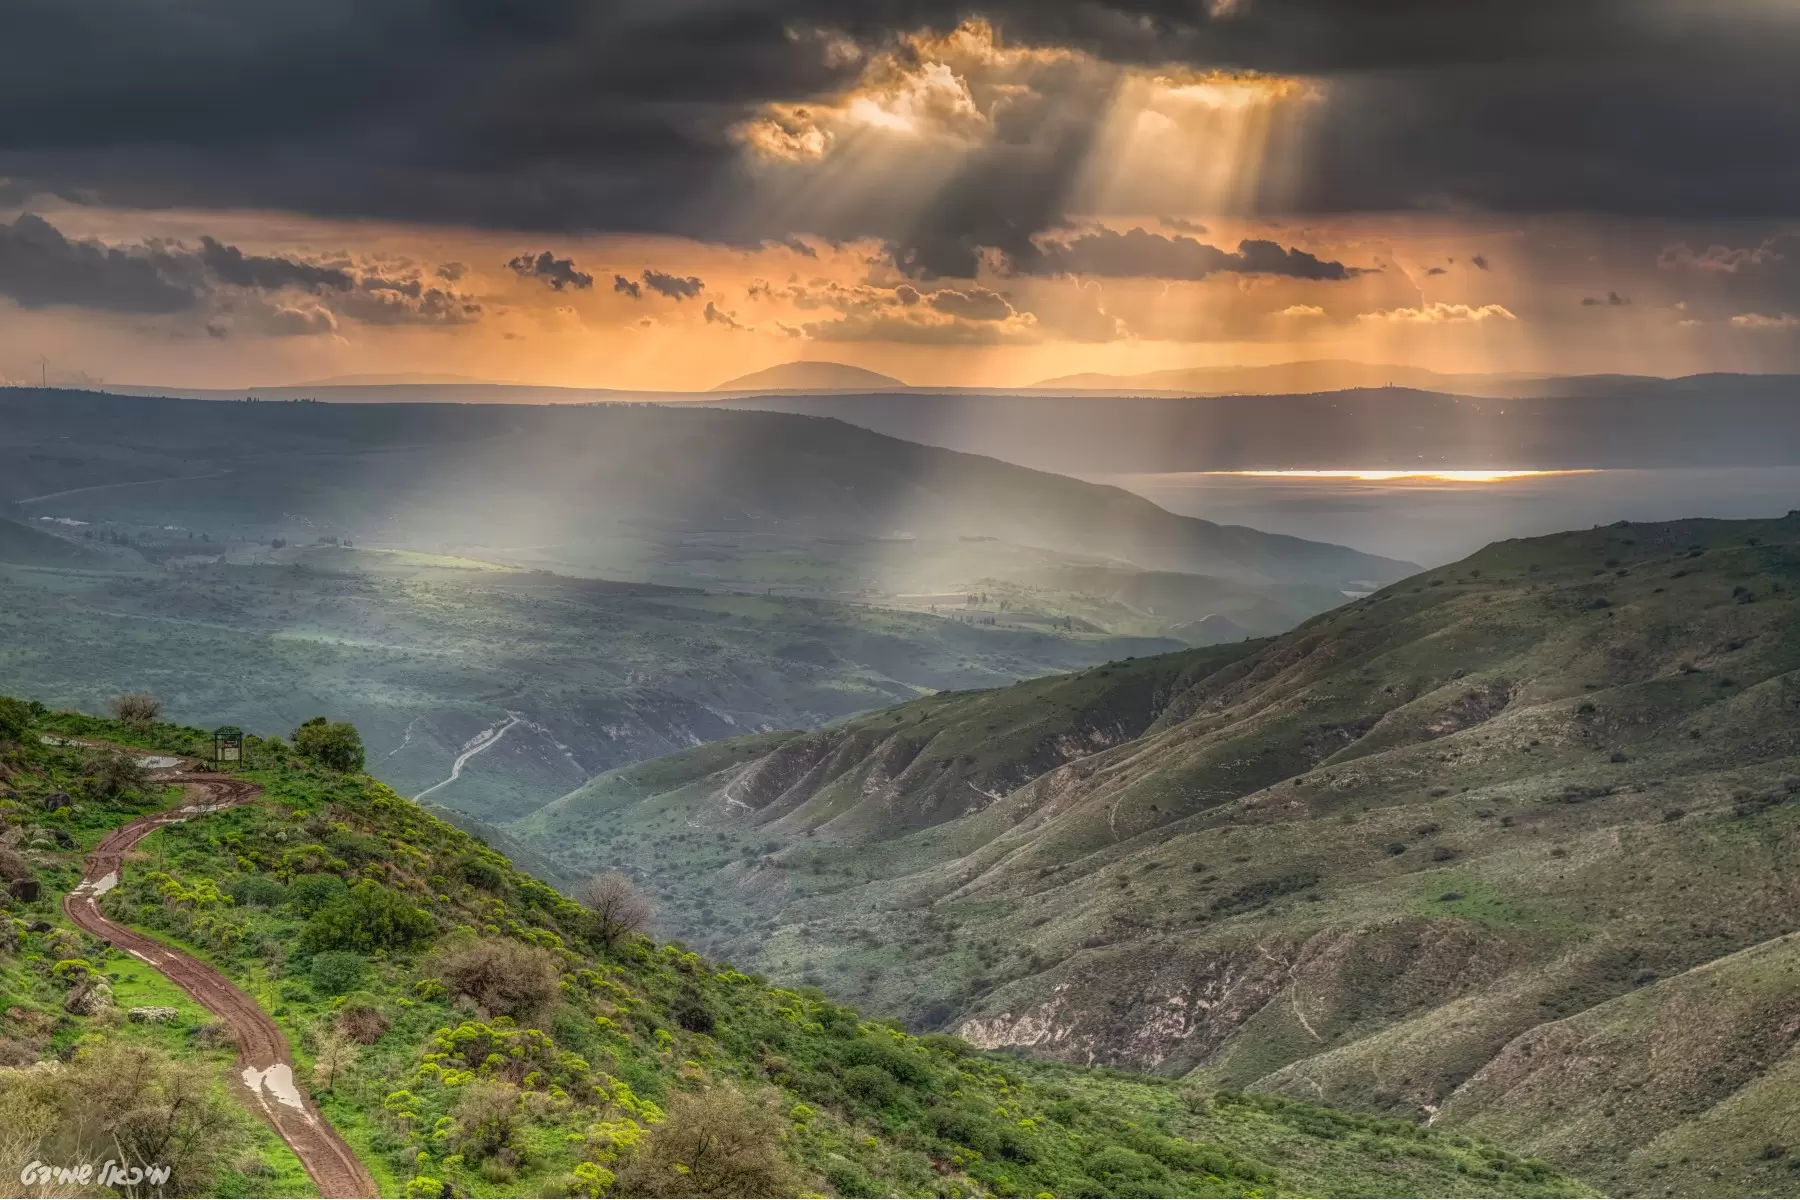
x=265, y=1080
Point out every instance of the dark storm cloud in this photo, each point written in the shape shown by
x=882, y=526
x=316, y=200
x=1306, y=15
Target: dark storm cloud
x=1610, y=300
x=39, y=267
x=570, y=115
x=230, y=265
x=1140, y=254
x=675, y=287
x=555, y=273
x=628, y=287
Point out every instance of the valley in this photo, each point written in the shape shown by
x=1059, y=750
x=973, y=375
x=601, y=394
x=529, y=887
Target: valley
x=1508, y=847
x=607, y=584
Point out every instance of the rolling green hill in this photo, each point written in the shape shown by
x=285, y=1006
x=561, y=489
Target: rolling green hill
x=1509, y=846
x=469, y=1031
x=429, y=655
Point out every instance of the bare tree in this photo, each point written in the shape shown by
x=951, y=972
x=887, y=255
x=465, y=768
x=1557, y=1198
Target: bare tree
x=337, y=1053
x=136, y=709
x=619, y=908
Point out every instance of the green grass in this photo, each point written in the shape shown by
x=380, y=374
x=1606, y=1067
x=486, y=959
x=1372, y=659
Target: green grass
x=866, y=1108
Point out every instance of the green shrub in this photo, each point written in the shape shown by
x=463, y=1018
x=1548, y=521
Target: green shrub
x=368, y=917
x=338, y=972
x=870, y=1084
x=690, y=1012
x=356, y=847
x=481, y=873
x=331, y=744
x=258, y=890
x=15, y=718
x=309, y=893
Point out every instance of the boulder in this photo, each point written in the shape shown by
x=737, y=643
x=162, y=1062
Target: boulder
x=153, y=1013
x=27, y=891
x=64, y=839
x=56, y=801
x=89, y=998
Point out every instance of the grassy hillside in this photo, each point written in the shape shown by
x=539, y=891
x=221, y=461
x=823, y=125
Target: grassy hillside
x=472, y=1032
x=1509, y=846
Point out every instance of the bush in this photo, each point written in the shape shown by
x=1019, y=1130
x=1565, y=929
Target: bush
x=137, y=1102
x=481, y=873
x=259, y=891
x=870, y=1084
x=356, y=847
x=690, y=1012
x=502, y=977
x=114, y=775
x=487, y=1114
x=729, y=1144
x=335, y=745
x=337, y=972
x=366, y=918
x=15, y=718
x=309, y=893
x=360, y=1019
x=137, y=709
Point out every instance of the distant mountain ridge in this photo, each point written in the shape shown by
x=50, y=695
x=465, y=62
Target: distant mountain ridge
x=810, y=376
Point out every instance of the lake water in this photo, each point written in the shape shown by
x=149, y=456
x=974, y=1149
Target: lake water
x=1431, y=520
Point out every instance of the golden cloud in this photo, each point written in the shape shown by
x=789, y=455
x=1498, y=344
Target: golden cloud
x=1765, y=321
x=1439, y=313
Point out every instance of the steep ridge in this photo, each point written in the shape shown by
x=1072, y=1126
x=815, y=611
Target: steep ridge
x=1470, y=850
x=472, y=1032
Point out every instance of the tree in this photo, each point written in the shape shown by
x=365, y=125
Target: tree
x=112, y=775
x=714, y=1143
x=15, y=718
x=619, y=908
x=137, y=709
x=337, y=1053
x=333, y=744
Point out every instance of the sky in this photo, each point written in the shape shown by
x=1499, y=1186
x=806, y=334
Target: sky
x=663, y=194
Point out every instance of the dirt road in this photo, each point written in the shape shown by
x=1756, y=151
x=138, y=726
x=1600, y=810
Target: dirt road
x=265, y=1078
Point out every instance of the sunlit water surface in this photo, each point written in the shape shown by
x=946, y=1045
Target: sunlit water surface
x=1441, y=517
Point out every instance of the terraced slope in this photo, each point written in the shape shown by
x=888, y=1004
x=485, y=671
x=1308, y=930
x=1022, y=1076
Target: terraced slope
x=1510, y=846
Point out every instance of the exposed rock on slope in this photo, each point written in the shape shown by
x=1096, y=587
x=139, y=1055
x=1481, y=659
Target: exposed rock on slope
x=1468, y=848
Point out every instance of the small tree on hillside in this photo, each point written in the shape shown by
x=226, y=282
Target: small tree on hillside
x=15, y=718
x=113, y=774
x=333, y=744
x=137, y=709
x=619, y=908
x=719, y=1142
